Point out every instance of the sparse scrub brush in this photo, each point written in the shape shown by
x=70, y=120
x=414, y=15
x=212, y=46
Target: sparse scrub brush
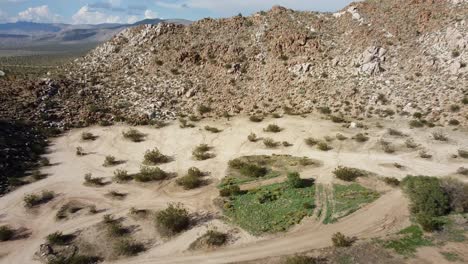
x=95, y=181
x=148, y=174
x=133, y=135
x=323, y=146
x=256, y=119
x=172, y=220
x=87, y=136
x=341, y=137
x=348, y=174
x=311, y=141
x=294, y=180
x=110, y=161
x=416, y=123
x=212, y=129
x=411, y=144
x=394, y=132
x=360, y=137
x=270, y=143
x=423, y=154
x=6, y=233
x=340, y=240
x=155, y=157
x=438, y=135
x=185, y=124
x=128, y=248
x=121, y=176
x=463, y=153
x=272, y=128
x=252, y=137
x=201, y=152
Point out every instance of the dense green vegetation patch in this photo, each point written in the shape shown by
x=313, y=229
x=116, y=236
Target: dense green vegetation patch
x=250, y=168
x=410, y=239
x=271, y=208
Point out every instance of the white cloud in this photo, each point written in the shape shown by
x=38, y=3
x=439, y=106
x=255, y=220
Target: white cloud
x=132, y=19
x=38, y=14
x=87, y=16
x=150, y=14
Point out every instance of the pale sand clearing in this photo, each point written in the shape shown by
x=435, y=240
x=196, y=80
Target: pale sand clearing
x=386, y=215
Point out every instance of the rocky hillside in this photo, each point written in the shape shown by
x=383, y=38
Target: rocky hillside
x=372, y=58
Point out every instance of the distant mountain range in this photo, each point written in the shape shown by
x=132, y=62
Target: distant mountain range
x=29, y=34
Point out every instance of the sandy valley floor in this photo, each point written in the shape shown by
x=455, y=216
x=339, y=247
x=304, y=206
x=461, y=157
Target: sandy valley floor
x=386, y=215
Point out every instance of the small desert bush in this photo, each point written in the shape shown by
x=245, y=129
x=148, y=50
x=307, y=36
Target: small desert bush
x=110, y=161
x=148, y=174
x=272, y=128
x=337, y=119
x=201, y=152
x=348, y=174
x=212, y=129
x=122, y=176
x=253, y=170
x=6, y=233
x=423, y=154
x=463, y=171
x=341, y=137
x=215, y=238
x=392, y=181
x=454, y=122
x=133, y=135
x=172, y=220
x=463, y=153
x=58, y=238
x=189, y=181
x=410, y=143
x=294, y=180
x=286, y=144
x=183, y=123
x=311, y=141
x=203, y=109
x=340, y=240
x=87, y=136
x=457, y=194
x=127, y=247
x=155, y=157
x=80, y=151
x=454, y=108
x=270, y=143
x=386, y=146
x=44, y=161
x=439, y=136
x=115, y=229
x=300, y=259
x=229, y=190
x=32, y=200
x=394, y=132
x=360, y=137
x=324, y=146
x=416, y=123
x=252, y=137
x=276, y=115
x=95, y=181
x=256, y=119
x=325, y=110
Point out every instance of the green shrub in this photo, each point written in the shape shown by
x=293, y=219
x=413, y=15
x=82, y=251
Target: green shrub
x=252, y=170
x=294, y=180
x=172, y=220
x=115, y=229
x=32, y=200
x=133, y=135
x=427, y=199
x=340, y=240
x=273, y=128
x=392, y=181
x=155, y=157
x=6, y=233
x=148, y=174
x=201, y=152
x=270, y=143
x=58, y=238
x=189, y=182
x=121, y=176
x=128, y=247
x=194, y=171
x=348, y=174
x=229, y=190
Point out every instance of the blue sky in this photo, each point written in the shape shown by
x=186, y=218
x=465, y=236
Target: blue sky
x=129, y=11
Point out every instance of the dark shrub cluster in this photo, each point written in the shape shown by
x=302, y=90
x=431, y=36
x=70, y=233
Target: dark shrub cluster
x=348, y=174
x=172, y=220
